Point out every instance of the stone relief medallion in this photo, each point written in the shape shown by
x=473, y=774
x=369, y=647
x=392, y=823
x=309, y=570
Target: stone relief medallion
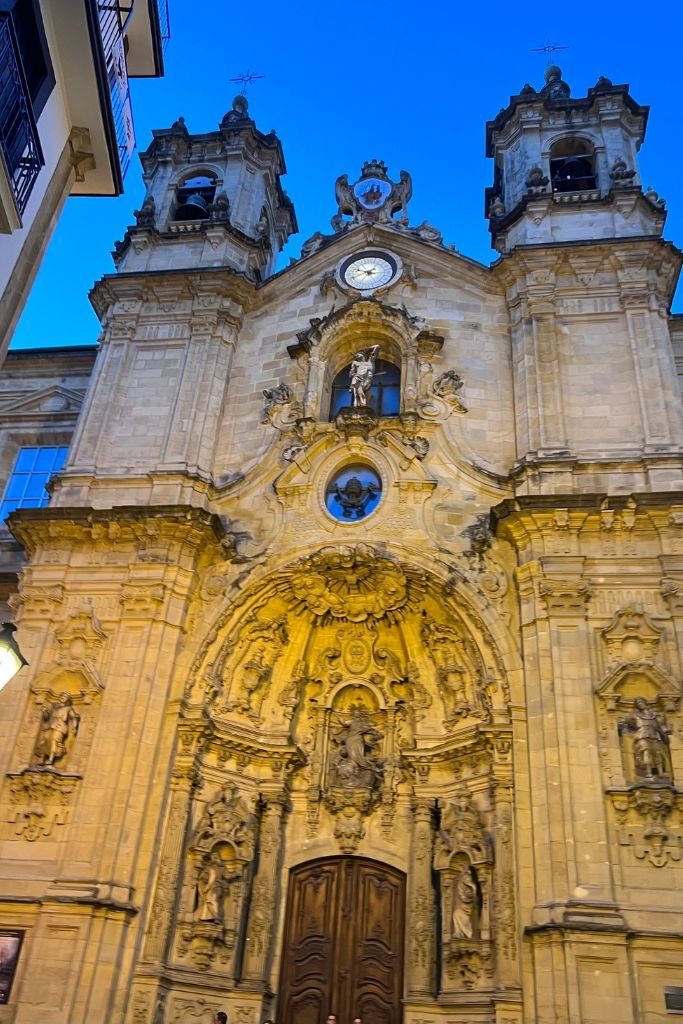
x=357, y=656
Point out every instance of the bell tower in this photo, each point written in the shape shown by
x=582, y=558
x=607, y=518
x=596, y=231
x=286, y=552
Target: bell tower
x=213, y=200
x=566, y=168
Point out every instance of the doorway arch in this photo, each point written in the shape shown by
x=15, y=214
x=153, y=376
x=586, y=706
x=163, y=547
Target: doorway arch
x=343, y=942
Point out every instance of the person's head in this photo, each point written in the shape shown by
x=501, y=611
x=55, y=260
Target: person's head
x=221, y=1017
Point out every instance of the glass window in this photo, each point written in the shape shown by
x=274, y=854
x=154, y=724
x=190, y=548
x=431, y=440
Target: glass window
x=33, y=467
x=353, y=493
x=385, y=394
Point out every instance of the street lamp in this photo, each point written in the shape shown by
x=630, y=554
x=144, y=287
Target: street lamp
x=11, y=658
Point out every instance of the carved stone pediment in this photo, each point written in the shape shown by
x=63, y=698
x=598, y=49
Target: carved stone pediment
x=631, y=636
x=80, y=638
x=462, y=831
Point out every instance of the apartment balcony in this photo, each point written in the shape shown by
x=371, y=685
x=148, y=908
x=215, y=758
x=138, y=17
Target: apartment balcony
x=20, y=154
x=102, y=44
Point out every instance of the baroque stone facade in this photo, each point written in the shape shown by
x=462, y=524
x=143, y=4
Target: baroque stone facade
x=373, y=565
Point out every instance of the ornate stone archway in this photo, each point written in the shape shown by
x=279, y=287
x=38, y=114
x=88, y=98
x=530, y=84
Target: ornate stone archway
x=352, y=704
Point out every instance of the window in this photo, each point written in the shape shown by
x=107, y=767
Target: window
x=195, y=196
x=32, y=470
x=385, y=394
x=32, y=45
x=572, y=166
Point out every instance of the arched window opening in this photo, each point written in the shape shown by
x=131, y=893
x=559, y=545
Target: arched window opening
x=572, y=166
x=384, y=397
x=194, y=197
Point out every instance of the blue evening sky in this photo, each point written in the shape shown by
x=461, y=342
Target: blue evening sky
x=409, y=83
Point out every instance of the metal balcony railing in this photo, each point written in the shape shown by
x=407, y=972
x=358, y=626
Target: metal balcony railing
x=112, y=17
x=18, y=135
x=164, y=23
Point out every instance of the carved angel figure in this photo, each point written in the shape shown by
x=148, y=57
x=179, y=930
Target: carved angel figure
x=345, y=201
x=447, y=384
x=403, y=192
x=60, y=724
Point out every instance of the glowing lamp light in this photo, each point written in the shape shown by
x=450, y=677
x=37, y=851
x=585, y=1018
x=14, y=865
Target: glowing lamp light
x=11, y=658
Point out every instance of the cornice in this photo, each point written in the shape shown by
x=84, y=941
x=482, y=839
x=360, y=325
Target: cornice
x=182, y=283
x=35, y=528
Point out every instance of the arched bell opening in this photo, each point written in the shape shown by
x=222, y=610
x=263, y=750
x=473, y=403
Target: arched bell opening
x=572, y=165
x=194, y=196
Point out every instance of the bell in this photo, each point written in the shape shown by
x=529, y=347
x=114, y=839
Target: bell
x=194, y=207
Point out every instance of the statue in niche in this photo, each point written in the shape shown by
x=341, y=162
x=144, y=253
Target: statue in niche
x=465, y=905
x=355, y=763
x=361, y=374
x=59, y=726
x=210, y=891
x=650, y=740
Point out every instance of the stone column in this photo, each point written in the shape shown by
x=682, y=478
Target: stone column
x=503, y=918
x=421, y=916
x=264, y=893
x=183, y=784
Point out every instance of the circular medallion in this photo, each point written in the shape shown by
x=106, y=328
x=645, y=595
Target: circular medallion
x=353, y=493
x=372, y=192
x=369, y=270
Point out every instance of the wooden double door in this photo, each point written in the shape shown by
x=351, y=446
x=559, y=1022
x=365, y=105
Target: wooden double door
x=343, y=943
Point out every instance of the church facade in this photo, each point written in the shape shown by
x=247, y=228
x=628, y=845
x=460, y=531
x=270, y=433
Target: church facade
x=354, y=620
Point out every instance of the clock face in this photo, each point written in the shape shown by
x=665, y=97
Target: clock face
x=368, y=270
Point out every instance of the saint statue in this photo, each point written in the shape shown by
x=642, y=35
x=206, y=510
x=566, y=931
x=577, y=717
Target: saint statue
x=356, y=764
x=465, y=896
x=650, y=740
x=361, y=374
x=210, y=891
x=60, y=723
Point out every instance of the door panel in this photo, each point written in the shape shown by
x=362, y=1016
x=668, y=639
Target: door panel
x=343, y=945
